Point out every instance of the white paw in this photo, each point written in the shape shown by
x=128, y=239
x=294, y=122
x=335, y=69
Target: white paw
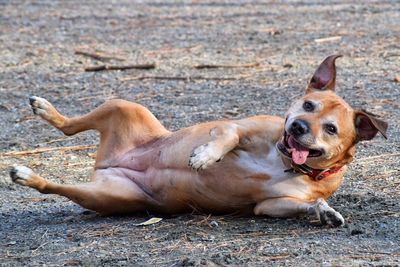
x=19, y=174
x=40, y=106
x=327, y=215
x=203, y=156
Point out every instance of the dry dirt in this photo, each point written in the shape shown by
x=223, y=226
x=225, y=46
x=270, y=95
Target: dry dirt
x=38, y=40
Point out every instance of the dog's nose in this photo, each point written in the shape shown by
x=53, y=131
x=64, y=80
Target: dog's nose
x=299, y=127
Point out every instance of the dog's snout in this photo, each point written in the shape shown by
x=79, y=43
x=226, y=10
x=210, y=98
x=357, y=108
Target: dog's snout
x=299, y=127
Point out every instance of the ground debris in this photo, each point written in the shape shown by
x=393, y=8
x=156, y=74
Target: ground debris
x=121, y=67
x=40, y=56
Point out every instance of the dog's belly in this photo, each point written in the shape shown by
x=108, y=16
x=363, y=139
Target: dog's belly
x=238, y=182
x=245, y=176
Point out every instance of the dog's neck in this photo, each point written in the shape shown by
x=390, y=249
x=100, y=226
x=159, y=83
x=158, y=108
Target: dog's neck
x=315, y=174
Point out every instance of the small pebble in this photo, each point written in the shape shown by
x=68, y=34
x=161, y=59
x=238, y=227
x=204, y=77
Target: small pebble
x=214, y=224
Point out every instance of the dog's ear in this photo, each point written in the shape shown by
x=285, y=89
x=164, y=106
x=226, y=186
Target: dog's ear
x=324, y=77
x=367, y=125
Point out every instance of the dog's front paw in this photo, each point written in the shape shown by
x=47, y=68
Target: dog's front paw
x=331, y=217
x=203, y=156
x=21, y=174
x=327, y=215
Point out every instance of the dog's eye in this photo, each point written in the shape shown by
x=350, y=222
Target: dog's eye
x=308, y=106
x=330, y=129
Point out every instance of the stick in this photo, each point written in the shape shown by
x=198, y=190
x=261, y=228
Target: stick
x=59, y=140
x=277, y=257
x=97, y=56
x=366, y=256
x=185, y=78
x=172, y=50
x=386, y=155
x=328, y=39
x=212, y=66
x=46, y=149
x=122, y=67
x=379, y=252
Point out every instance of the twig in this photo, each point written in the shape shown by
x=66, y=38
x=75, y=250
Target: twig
x=184, y=78
x=101, y=231
x=42, y=245
x=379, y=252
x=172, y=50
x=45, y=149
x=121, y=67
x=374, y=257
x=384, y=213
x=14, y=257
x=94, y=96
x=156, y=78
x=97, y=56
x=277, y=257
x=386, y=155
x=215, y=66
x=328, y=39
x=58, y=140
x=384, y=175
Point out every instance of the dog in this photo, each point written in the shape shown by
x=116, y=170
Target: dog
x=265, y=165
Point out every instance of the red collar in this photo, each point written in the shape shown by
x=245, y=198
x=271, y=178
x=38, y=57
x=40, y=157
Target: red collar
x=315, y=174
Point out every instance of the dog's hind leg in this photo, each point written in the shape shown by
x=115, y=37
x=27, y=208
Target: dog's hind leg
x=123, y=125
x=110, y=193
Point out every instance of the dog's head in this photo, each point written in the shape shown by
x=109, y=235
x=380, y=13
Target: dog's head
x=321, y=129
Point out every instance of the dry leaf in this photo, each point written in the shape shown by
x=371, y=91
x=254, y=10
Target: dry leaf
x=150, y=221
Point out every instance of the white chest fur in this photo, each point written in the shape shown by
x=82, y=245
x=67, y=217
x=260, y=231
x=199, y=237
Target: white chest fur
x=281, y=183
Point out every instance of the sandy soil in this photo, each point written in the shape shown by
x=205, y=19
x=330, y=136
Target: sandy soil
x=38, y=41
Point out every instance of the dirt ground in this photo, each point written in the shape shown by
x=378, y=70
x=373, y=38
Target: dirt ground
x=282, y=43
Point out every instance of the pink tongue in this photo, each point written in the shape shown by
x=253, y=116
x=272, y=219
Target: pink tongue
x=299, y=152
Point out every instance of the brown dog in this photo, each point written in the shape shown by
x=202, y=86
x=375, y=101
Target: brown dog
x=261, y=164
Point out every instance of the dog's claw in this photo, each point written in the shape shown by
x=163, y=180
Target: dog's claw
x=13, y=174
x=31, y=100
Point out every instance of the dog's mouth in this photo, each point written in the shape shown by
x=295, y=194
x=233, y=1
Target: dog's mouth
x=295, y=150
